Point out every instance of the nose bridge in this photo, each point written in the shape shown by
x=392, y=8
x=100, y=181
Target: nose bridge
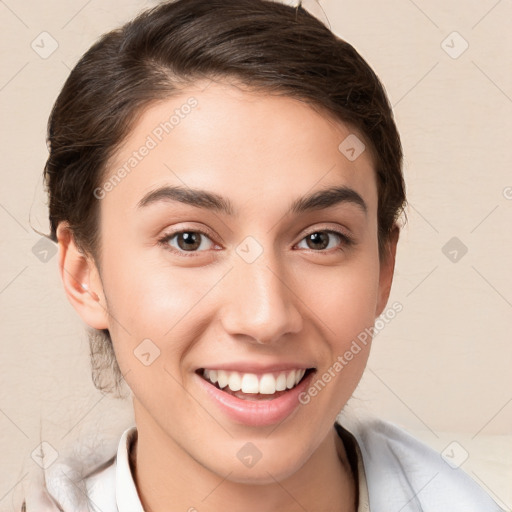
x=260, y=303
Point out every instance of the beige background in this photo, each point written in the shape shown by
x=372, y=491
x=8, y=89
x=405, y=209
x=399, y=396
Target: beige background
x=441, y=368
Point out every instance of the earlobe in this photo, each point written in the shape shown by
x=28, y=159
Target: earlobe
x=81, y=280
x=387, y=269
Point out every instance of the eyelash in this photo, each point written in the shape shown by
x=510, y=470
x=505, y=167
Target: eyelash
x=347, y=241
x=164, y=241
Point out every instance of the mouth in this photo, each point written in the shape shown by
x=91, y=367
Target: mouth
x=252, y=386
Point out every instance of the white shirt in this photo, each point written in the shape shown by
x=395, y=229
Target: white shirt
x=118, y=476
x=396, y=473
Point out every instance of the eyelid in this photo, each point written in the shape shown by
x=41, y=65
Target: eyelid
x=179, y=228
x=164, y=239
x=345, y=243
x=344, y=233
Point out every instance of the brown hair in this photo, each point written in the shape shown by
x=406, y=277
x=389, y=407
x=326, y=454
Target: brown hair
x=262, y=44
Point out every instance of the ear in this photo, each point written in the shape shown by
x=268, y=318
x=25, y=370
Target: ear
x=387, y=269
x=81, y=280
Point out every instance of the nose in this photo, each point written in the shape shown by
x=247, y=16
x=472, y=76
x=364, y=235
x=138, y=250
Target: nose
x=260, y=304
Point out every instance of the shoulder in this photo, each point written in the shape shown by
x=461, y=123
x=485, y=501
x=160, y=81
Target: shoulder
x=83, y=480
x=61, y=488
x=101, y=487
x=405, y=474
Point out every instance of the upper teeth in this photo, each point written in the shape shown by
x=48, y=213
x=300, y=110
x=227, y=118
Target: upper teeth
x=267, y=383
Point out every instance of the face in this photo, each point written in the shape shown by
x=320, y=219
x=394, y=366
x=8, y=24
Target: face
x=244, y=242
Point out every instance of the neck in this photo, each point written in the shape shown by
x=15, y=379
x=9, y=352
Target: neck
x=167, y=478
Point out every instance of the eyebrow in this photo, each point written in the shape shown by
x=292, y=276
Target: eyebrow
x=318, y=200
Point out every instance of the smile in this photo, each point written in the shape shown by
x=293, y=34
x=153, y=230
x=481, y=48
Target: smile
x=255, y=399
x=251, y=383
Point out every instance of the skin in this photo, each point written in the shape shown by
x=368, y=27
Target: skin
x=296, y=302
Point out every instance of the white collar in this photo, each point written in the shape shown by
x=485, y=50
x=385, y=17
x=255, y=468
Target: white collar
x=127, y=497
x=396, y=466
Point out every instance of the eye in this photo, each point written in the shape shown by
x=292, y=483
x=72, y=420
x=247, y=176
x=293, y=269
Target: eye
x=326, y=239
x=187, y=241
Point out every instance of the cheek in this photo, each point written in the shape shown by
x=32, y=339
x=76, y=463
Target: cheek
x=149, y=300
x=148, y=294
x=348, y=310
x=345, y=297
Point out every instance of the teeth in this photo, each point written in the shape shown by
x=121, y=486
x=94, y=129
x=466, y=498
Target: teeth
x=281, y=382
x=222, y=377
x=250, y=383
x=266, y=384
x=234, y=382
x=290, y=380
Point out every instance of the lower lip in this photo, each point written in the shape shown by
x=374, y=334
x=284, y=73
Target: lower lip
x=255, y=413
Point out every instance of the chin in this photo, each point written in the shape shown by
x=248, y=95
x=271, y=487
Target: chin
x=279, y=467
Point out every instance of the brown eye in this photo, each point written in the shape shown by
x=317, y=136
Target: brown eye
x=318, y=240
x=321, y=240
x=188, y=241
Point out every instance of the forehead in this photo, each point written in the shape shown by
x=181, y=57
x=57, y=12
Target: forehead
x=250, y=146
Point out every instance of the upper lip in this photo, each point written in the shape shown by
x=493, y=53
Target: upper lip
x=251, y=367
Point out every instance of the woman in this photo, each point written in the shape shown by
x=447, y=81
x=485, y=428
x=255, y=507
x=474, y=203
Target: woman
x=225, y=186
